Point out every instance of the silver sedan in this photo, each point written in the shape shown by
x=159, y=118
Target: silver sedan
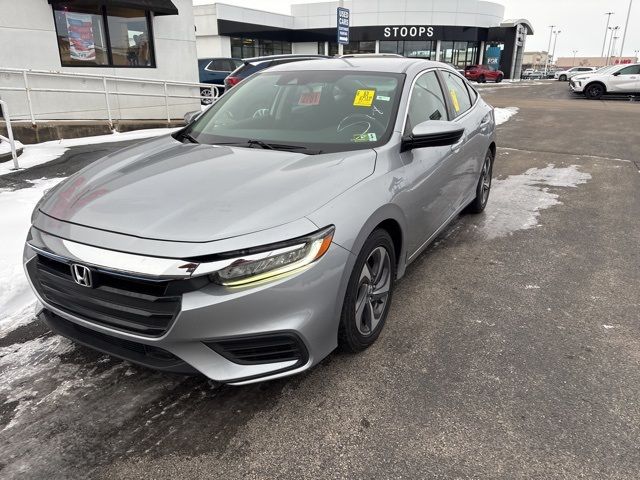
x=270, y=230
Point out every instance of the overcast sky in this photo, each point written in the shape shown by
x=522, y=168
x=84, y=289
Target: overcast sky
x=581, y=22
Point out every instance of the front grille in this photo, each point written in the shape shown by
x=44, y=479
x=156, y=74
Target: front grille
x=256, y=349
x=132, y=304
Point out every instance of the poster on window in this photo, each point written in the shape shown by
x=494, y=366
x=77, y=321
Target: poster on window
x=81, y=42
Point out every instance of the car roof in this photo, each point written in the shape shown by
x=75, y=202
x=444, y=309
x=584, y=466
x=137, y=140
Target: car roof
x=370, y=64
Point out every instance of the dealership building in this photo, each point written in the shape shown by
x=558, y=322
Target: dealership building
x=462, y=32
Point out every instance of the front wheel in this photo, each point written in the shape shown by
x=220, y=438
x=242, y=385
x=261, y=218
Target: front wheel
x=563, y=78
x=368, y=297
x=484, y=185
x=594, y=92
x=499, y=79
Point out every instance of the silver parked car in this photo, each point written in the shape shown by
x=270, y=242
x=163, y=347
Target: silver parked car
x=273, y=228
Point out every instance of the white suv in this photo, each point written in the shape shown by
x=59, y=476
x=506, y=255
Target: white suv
x=614, y=79
x=564, y=75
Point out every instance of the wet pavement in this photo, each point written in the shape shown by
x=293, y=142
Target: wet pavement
x=511, y=350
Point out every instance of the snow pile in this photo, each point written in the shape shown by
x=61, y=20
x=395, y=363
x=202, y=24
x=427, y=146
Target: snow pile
x=15, y=294
x=516, y=201
x=39, y=153
x=5, y=147
x=504, y=114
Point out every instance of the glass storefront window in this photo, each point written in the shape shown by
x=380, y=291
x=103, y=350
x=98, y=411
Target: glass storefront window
x=459, y=54
x=389, y=46
x=129, y=37
x=83, y=32
x=81, y=36
x=418, y=49
x=359, y=47
x=253, y=47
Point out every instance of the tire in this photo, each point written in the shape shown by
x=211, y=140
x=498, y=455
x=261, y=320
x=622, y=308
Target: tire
x=483, y=188
x=499, y=79
x=365, y=310
x=205, y=92
x=563, y=78
x=481, y=79
x=595, y=91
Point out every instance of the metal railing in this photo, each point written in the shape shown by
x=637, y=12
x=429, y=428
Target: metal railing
x=10, y=140
x=105, y=91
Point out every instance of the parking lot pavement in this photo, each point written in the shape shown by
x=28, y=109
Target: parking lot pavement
x=511, y=350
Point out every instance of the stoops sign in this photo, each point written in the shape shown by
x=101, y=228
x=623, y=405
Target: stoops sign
x=343, y=25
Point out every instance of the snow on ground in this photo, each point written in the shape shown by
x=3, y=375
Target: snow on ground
x=39, y=153
x=516, y=201
x=5, y=147
x=16, y=298
x=504, y=114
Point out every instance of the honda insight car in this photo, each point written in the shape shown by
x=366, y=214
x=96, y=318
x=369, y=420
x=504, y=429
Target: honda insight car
x=270, y=230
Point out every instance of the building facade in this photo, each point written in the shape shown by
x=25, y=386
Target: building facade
x=463, y=32
x=568, y=62
x=153, y=40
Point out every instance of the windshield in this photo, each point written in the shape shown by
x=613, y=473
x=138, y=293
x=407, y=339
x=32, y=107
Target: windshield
x=306, y=111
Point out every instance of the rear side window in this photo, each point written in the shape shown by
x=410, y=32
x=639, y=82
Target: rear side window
x=457, y=93
x=427, y=101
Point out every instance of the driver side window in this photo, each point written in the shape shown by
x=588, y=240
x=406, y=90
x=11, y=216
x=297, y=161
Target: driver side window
x=427, y=101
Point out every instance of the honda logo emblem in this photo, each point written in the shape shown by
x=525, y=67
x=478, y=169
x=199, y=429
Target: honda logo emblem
x=81, y=275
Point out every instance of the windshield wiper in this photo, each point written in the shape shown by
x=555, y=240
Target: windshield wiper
x=189, y=137
x=260, y=143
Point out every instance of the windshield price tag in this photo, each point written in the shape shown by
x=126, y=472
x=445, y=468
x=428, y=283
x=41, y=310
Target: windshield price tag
x=364, y=98
x=454, y=99
x=365, y=137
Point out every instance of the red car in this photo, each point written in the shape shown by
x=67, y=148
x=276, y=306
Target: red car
x=482, y=73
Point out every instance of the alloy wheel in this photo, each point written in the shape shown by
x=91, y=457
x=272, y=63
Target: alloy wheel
x=373, y=291
x=206, y=92
x=486, y=179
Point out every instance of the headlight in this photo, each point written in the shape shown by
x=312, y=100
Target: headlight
x=270, y=261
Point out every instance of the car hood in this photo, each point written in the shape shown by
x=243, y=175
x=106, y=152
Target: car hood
x=166, y=190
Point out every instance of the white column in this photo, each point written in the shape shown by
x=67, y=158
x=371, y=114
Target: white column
x=377, y=46
x=438, y=44
x=481, y=57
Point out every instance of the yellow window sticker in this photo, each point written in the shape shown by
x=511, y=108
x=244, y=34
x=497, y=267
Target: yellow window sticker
x=454, y=99
x=364, y=98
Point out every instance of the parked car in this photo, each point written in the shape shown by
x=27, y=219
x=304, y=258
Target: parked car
x=531, y=74
x=482, y=73
x=272, y=229
x=252, y=65
x=617, y=79
x=564, y=75
x=214, y=71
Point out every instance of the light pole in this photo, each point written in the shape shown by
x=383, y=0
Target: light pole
x=613, y=49
x=614, y=30
x=555, y=41
x=626, y=27
x=606, y=32
x=635, y=54
x=574, y=58
x=546, y=63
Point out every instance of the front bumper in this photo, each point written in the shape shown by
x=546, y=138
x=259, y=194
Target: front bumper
x=298, y=312
x=576, y=86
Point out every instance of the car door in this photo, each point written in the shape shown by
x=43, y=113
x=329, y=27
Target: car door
x=462, y=99
x=431, y=172
x=626, y=79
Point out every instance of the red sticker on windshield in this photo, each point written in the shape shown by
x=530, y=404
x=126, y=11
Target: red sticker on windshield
x=311, y=98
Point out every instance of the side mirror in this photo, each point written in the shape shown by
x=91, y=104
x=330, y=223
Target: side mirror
x=191, y=116
x=616, y=73
x=432, y=133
